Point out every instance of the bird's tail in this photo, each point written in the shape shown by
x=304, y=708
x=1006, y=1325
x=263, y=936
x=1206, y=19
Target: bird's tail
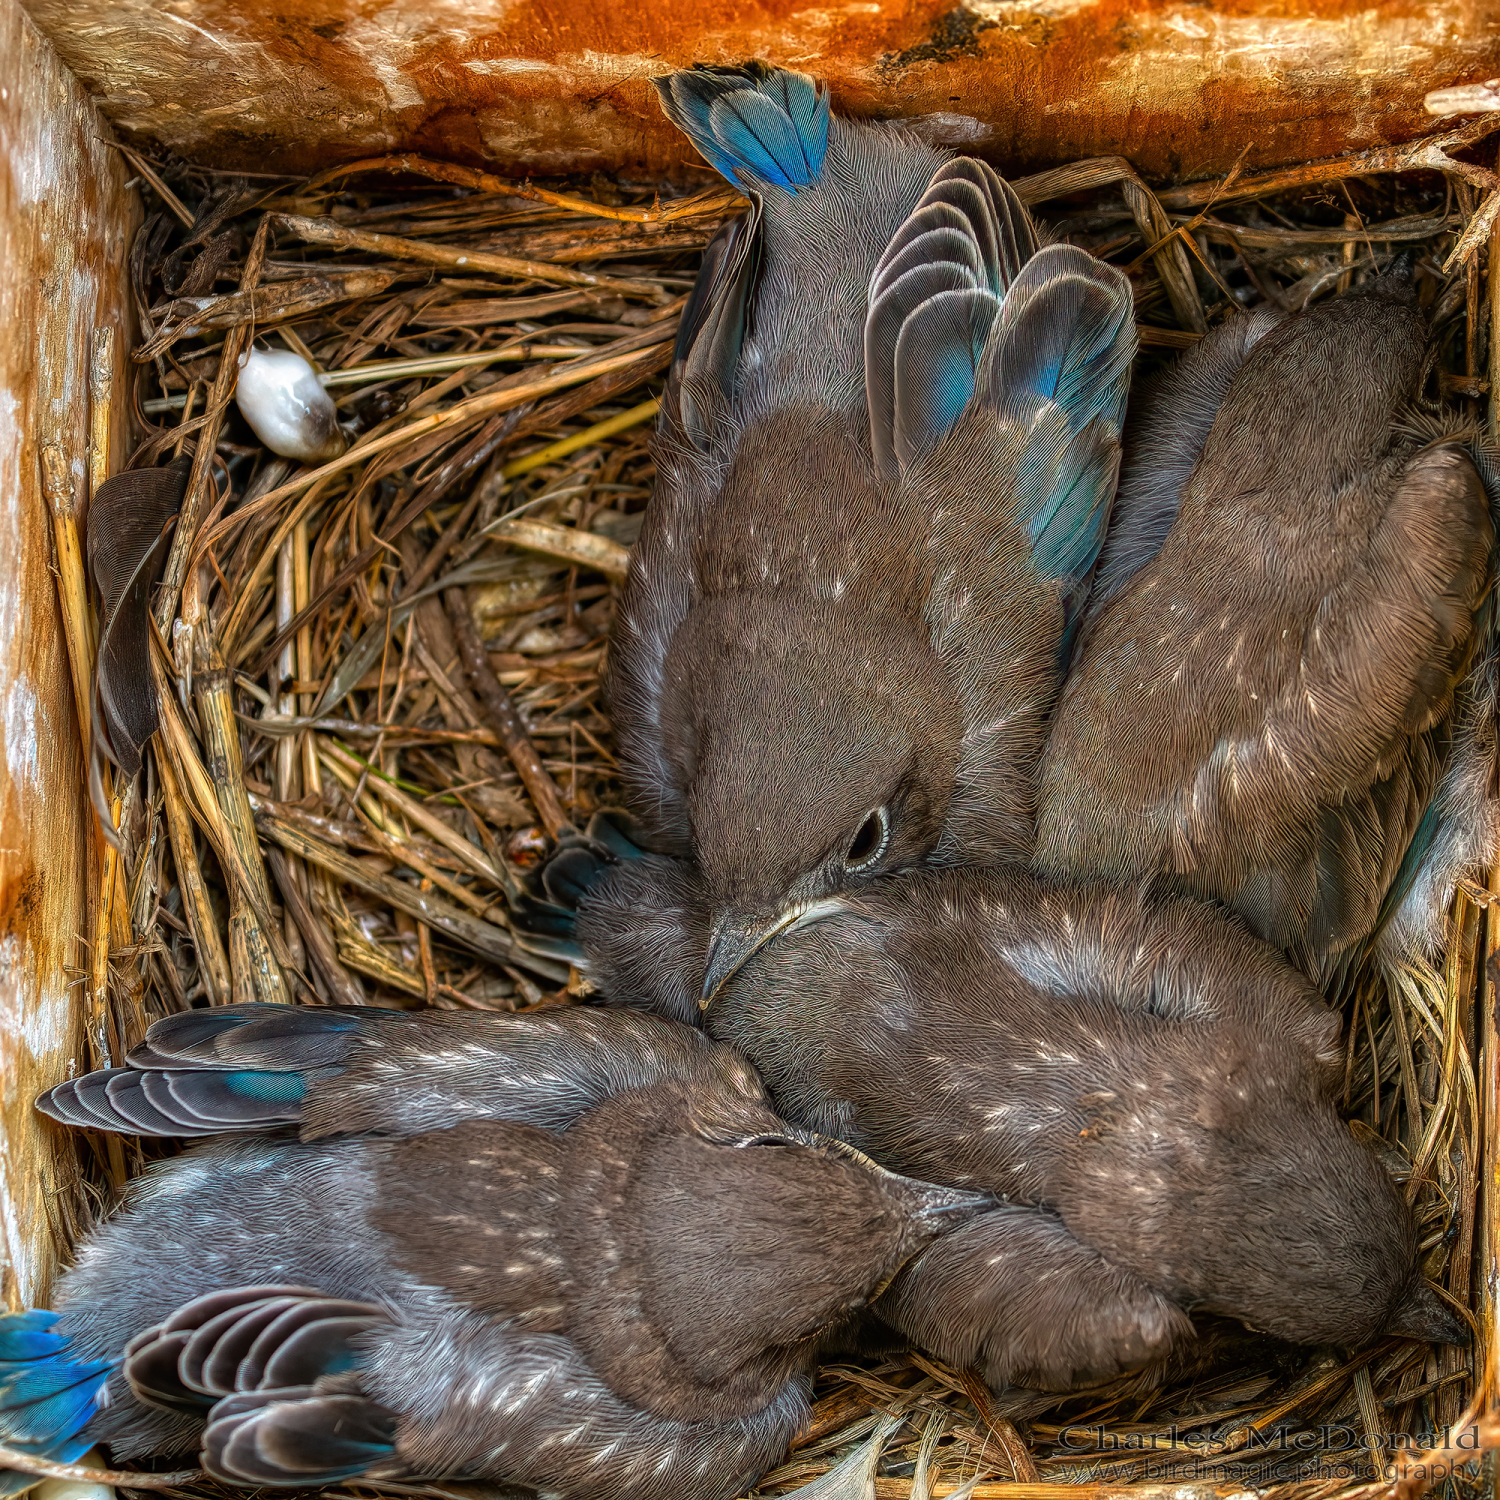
x=47, y=1396
x=759, y=126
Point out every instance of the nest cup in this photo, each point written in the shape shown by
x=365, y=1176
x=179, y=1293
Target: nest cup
x=379, y=686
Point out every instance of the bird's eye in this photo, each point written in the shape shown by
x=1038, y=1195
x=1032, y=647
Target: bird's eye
x=869, y=843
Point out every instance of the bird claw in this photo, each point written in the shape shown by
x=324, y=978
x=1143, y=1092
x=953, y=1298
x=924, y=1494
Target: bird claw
x=581, y=859
x=568, y=876
x=534, y=917
x=573, y=869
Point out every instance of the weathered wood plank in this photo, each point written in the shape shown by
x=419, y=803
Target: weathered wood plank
x=546, y=86
x=65, y=218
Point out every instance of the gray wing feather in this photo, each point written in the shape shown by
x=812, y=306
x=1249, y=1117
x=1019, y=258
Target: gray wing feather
x=968, y=234
x=1169, y=422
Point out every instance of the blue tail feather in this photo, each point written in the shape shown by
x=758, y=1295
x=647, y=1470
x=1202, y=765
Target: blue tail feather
x=55, y=1450
x=47, y=1397
x=759, y=127
x=24, y=1335
x=54, y=1404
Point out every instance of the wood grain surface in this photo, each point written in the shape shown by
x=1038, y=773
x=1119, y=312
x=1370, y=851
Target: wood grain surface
x=65, y=221
x=1181, y=87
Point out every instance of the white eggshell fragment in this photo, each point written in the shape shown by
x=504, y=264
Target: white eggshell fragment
x=70, y=1489
x=73, y=1489
x=286, y=405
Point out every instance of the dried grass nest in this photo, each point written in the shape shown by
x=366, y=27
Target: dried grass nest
x=501, y=346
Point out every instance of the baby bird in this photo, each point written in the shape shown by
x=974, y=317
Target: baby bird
x=1147, y=1087
x=886, y=454
x=577, y=1253
x=1262, y=706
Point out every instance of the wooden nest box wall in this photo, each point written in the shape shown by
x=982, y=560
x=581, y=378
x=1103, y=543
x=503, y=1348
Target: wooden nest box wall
x=561, y=86
x=1185, y=90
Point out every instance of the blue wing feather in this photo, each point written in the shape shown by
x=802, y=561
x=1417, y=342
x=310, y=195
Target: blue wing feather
x=47, y=1398
x=1058, y=367
x=1068, y=519
x=270, y=1088
x=934, y=297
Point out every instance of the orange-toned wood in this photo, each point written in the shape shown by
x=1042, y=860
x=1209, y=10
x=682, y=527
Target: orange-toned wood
x=65, y=221
x=546, y=86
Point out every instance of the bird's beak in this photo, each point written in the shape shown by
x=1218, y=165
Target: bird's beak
x=1424, y=1315
x=950, y=1207
x=738, y=939
x=736, y=942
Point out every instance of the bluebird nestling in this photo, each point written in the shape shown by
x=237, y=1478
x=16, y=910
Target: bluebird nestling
x=577, y=1253
x=885, y=459
x=1261, y=708
x=1145, y=1085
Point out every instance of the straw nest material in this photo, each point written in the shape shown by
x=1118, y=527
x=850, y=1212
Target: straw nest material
x=389, y=701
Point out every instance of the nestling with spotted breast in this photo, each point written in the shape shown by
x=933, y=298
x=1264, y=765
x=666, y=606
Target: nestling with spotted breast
x=1146, y=1087
x=577, y=1253
x=885, y=458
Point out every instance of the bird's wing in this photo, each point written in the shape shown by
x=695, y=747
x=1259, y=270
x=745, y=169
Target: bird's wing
x=474, y=1210
x=342, y=1071
x=1321, y=896
x=1459, y=830
x=1070, y=1318
x=247, y=1338
x=127, y=538
x=1171, y=415
x=299, y=1436
x=934, y=297
x=996, y=375
x=221, y=1070
x=523, y=1411
x=991, y=363
x=245, y=1360
x=1458, y=833
x=1280, y=767
x=696, y=427
x=698, y=400
x=543, y=1070
x=181, y=1102
x=1384, y=650
x=1049, y=401
x=762, y=128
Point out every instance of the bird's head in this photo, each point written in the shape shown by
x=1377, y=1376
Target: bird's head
x=815, y=758
x=1334, y=1257
x=716, y=1242
x=1246, y=1196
